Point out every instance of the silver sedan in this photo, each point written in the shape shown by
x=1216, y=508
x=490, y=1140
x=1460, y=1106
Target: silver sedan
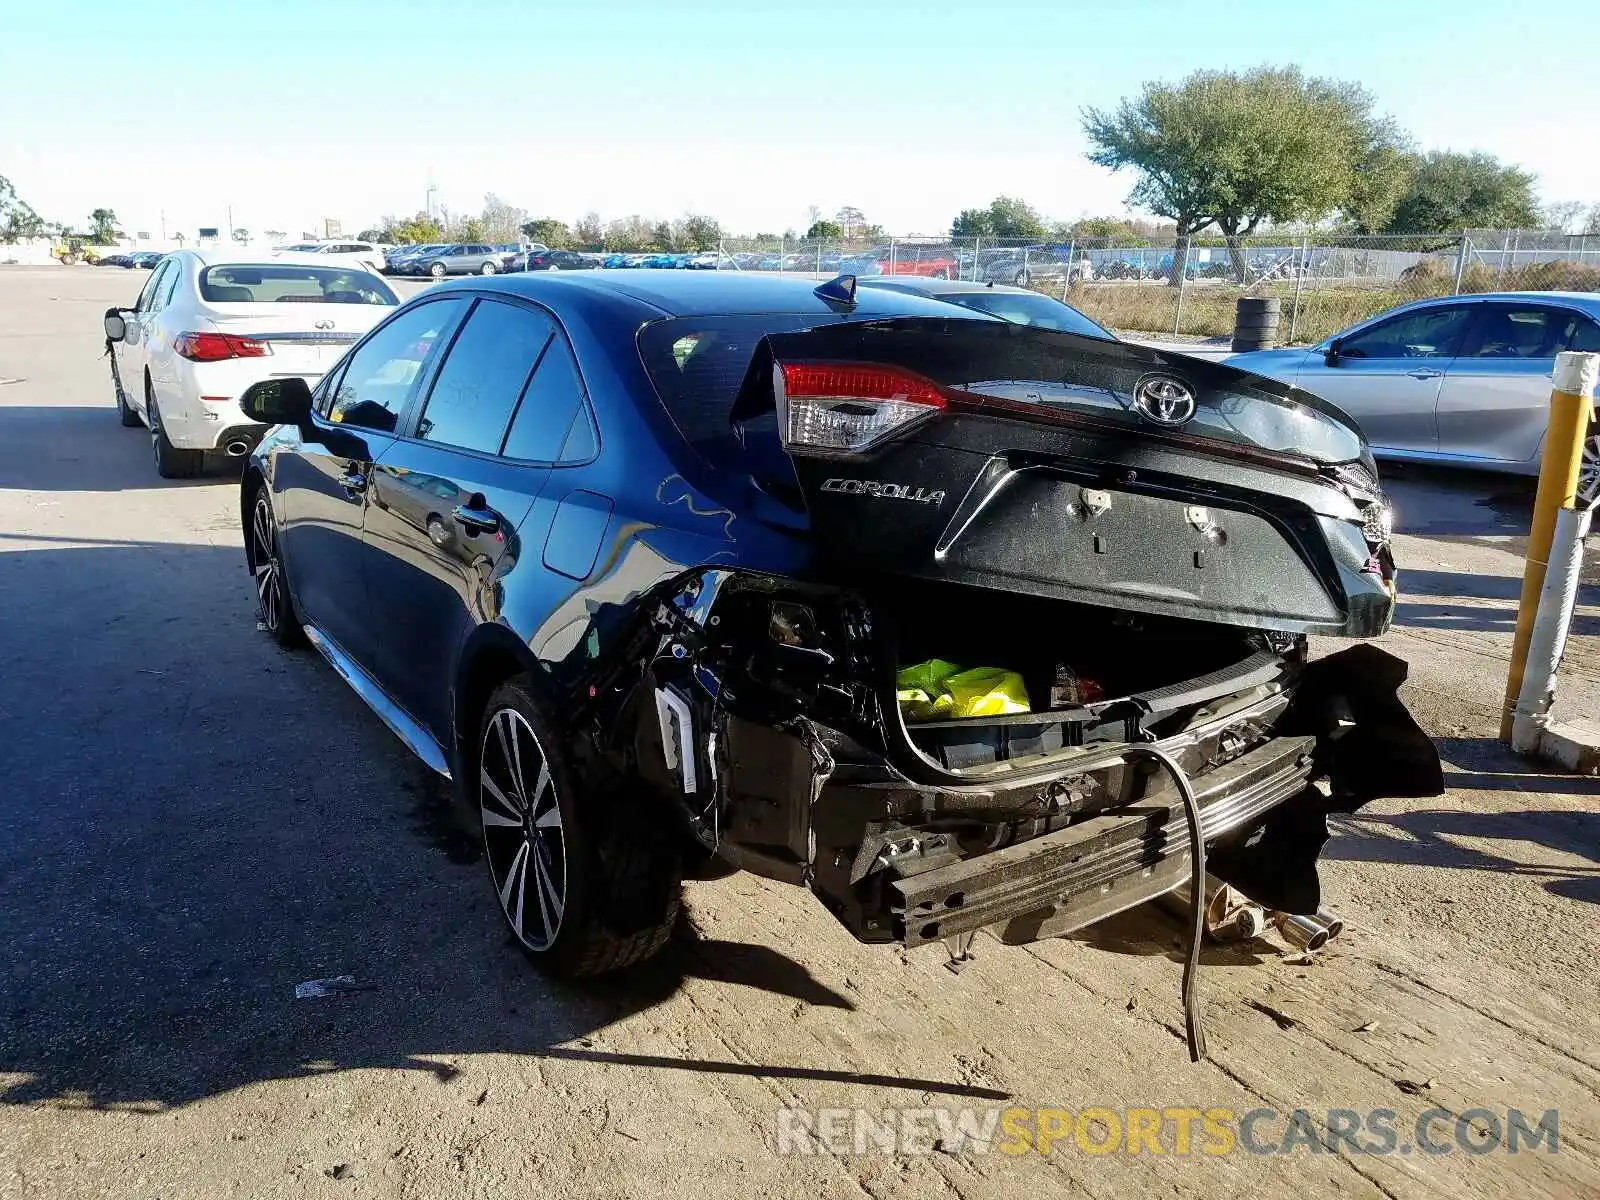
x=1459, y=381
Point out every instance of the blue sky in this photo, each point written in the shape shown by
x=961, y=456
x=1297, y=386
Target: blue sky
x=292, y=111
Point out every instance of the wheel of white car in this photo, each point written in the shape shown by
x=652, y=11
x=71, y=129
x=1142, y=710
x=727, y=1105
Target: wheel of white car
x=125, y=412
x=171, y=462
x=487, y=269
x=1589, y=470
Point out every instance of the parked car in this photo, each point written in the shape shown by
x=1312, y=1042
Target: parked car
x=394, y=263
x=932, y=262
x=1018, y=305
x=643, y=600
x=363, y=254
x=144, y=259
x=1034, y=264
x=208, y=323
x=114, y=260
x=462, y=258
x=1459, y=381
x=553, y=260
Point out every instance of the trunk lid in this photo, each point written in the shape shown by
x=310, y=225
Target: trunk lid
x=1079, y=469
x=305, y=339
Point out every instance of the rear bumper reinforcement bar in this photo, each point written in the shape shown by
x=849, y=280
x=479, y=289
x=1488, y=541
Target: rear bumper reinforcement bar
x=1100, y=866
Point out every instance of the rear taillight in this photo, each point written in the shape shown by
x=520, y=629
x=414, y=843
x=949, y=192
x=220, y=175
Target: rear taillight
x=848, y=408
x=214, y=347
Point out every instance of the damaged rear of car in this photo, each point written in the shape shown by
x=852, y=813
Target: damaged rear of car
x=1136, y=545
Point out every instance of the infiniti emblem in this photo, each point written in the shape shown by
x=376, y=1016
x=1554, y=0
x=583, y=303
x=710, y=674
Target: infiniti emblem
x=323, y=324
x=1163, y=399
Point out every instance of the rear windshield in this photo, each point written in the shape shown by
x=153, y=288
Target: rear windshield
x=1029, y=309
x=698, y=364
x=283, y=283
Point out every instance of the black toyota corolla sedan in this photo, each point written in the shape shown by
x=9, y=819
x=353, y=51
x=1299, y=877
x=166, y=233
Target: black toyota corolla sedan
x=954, y=622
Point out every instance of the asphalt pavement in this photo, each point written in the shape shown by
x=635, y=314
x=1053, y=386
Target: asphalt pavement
x=193, y=822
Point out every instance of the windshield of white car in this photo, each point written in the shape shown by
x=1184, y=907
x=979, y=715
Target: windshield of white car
x=1029, y=309
x=283, y=283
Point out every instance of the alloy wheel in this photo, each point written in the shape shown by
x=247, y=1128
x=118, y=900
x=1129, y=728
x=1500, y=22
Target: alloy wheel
x=523, y=838
x=264, y=562
x=1589, y=471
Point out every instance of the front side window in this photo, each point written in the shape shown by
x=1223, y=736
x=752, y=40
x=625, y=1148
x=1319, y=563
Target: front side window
x=382, y=372
x=1428, y=333
x=483, y=376
x=285, y=283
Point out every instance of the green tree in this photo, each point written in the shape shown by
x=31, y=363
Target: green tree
x=697, y=232
x=824, y=231
x=103, y=229
x=17, y=220
x=1449, y=192
x=661, y=236
x=473, y=229
x=419, y=230
x=1006, y=217
x=851, y=220
x=1235, y=150
x=551, y=232
x=972, y=222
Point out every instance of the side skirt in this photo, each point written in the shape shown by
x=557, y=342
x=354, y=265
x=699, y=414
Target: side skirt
x=408, y=730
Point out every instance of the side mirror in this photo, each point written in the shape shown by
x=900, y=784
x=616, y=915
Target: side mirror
x=277, y=401
x=1331, y=354
x=116, y=326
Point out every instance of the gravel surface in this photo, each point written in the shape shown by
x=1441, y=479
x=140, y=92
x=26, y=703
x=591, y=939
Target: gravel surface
x=196, y=821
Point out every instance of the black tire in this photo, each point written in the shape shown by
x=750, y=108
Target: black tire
x=438, y=270
x=1020, y=279
x=125, y=411
x=274, y=603
x=1589, y=468
x=171, y=462
x=605, y=877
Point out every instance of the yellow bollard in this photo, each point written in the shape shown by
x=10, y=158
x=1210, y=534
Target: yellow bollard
x=1571, y=406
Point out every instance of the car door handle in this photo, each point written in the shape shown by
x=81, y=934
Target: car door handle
x=477, y=518
x=1424, y=373
x=353, y=480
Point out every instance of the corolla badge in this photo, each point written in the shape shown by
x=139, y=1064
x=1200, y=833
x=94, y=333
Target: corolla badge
x=1164, y=399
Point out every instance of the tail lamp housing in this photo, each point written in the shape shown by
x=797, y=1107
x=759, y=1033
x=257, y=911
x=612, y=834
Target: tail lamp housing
x=834, y=410
x=215, y=347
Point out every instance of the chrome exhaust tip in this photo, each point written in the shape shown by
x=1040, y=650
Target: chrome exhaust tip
x=1330, y=921
x=237, y=448
x=1303, y=933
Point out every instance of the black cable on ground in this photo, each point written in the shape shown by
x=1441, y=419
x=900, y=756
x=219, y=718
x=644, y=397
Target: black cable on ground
x=1193, y=1017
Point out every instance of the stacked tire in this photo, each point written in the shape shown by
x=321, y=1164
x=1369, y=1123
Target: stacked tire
x=1255, y=323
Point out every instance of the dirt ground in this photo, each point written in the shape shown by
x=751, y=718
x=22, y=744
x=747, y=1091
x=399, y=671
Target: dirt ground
x=195, y=822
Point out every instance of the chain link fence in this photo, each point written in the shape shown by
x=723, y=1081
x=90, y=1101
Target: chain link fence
x=1188, y=287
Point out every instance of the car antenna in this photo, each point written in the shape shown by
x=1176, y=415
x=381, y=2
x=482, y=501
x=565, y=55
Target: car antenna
x=839, y=293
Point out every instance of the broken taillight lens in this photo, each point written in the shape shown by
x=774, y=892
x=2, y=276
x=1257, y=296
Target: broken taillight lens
x=848, y=408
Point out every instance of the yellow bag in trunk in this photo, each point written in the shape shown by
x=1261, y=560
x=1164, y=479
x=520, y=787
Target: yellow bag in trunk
x=937, y=690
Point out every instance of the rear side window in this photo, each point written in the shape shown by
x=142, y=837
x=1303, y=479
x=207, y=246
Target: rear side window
x=553, y=398
x=381, y=372
x=483, y=376
x=281, y=283
x=1585, y=336
x=1522, y=331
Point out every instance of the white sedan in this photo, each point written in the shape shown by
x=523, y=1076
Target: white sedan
x=209, y=323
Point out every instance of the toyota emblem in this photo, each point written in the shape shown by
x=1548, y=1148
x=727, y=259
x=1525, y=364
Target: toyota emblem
x=1164, y=399
x=323, y=324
